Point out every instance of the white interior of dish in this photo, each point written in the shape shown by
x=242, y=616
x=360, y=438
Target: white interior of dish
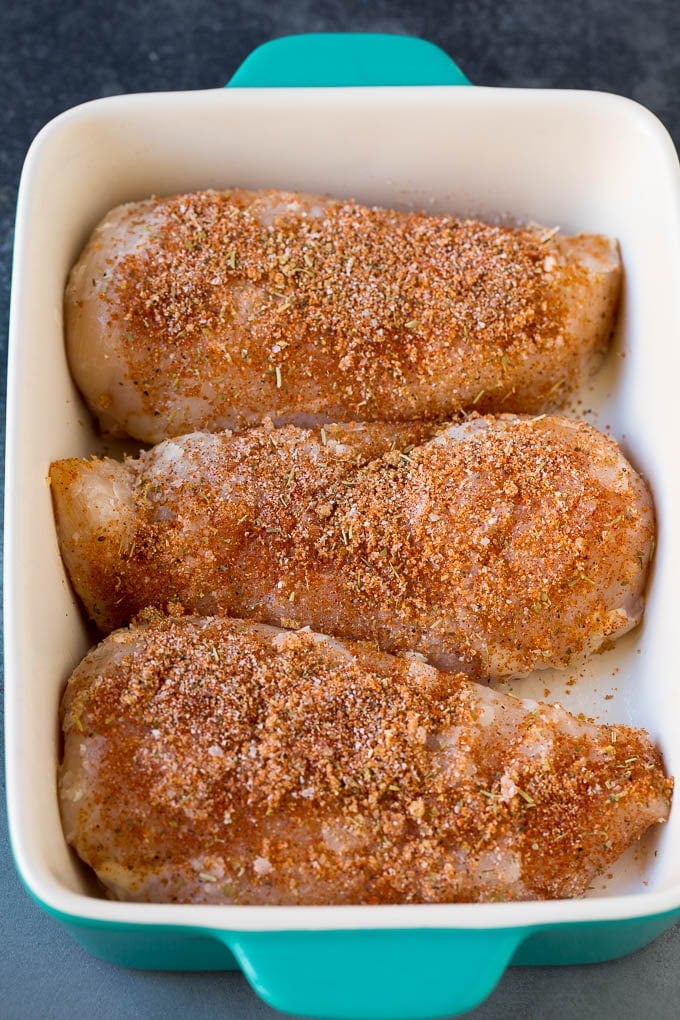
x=581, y=161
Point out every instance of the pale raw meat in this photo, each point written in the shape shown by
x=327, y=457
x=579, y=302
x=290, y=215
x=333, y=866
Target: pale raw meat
x=218, y=309
x=499, y=546
x=215, y=761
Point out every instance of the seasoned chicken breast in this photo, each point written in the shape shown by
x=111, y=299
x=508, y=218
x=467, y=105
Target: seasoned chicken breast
x=216, y=761
x=497, y=546
x=217, y=309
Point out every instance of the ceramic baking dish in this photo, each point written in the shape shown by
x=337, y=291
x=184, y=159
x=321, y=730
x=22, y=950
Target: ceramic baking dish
x=581, y=160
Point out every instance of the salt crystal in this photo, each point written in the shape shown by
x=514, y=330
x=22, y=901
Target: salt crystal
x=262, y=866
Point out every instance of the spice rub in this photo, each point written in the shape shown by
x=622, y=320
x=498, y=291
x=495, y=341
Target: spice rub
x=494, y=546
x=217, y=309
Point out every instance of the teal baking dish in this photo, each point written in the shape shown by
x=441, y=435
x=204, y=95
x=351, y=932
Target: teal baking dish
x=396, y=132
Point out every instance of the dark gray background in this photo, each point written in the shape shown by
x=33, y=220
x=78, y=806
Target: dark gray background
x=55, y=55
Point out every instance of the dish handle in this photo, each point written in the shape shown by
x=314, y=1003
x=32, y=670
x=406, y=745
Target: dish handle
x=323, y=59
x=377, y=974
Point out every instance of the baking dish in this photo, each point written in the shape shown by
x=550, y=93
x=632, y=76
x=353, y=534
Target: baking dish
x=582, y=160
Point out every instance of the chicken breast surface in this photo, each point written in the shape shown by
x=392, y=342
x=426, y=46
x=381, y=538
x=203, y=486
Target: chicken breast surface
x=217, y=309
x=498, y=546
x=216, y=761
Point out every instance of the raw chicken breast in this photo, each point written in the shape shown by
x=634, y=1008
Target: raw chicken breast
x=498, y=546
x=217, y=309
x=215, y=761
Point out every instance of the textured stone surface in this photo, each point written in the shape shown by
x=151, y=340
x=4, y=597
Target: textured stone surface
x=53, y=56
